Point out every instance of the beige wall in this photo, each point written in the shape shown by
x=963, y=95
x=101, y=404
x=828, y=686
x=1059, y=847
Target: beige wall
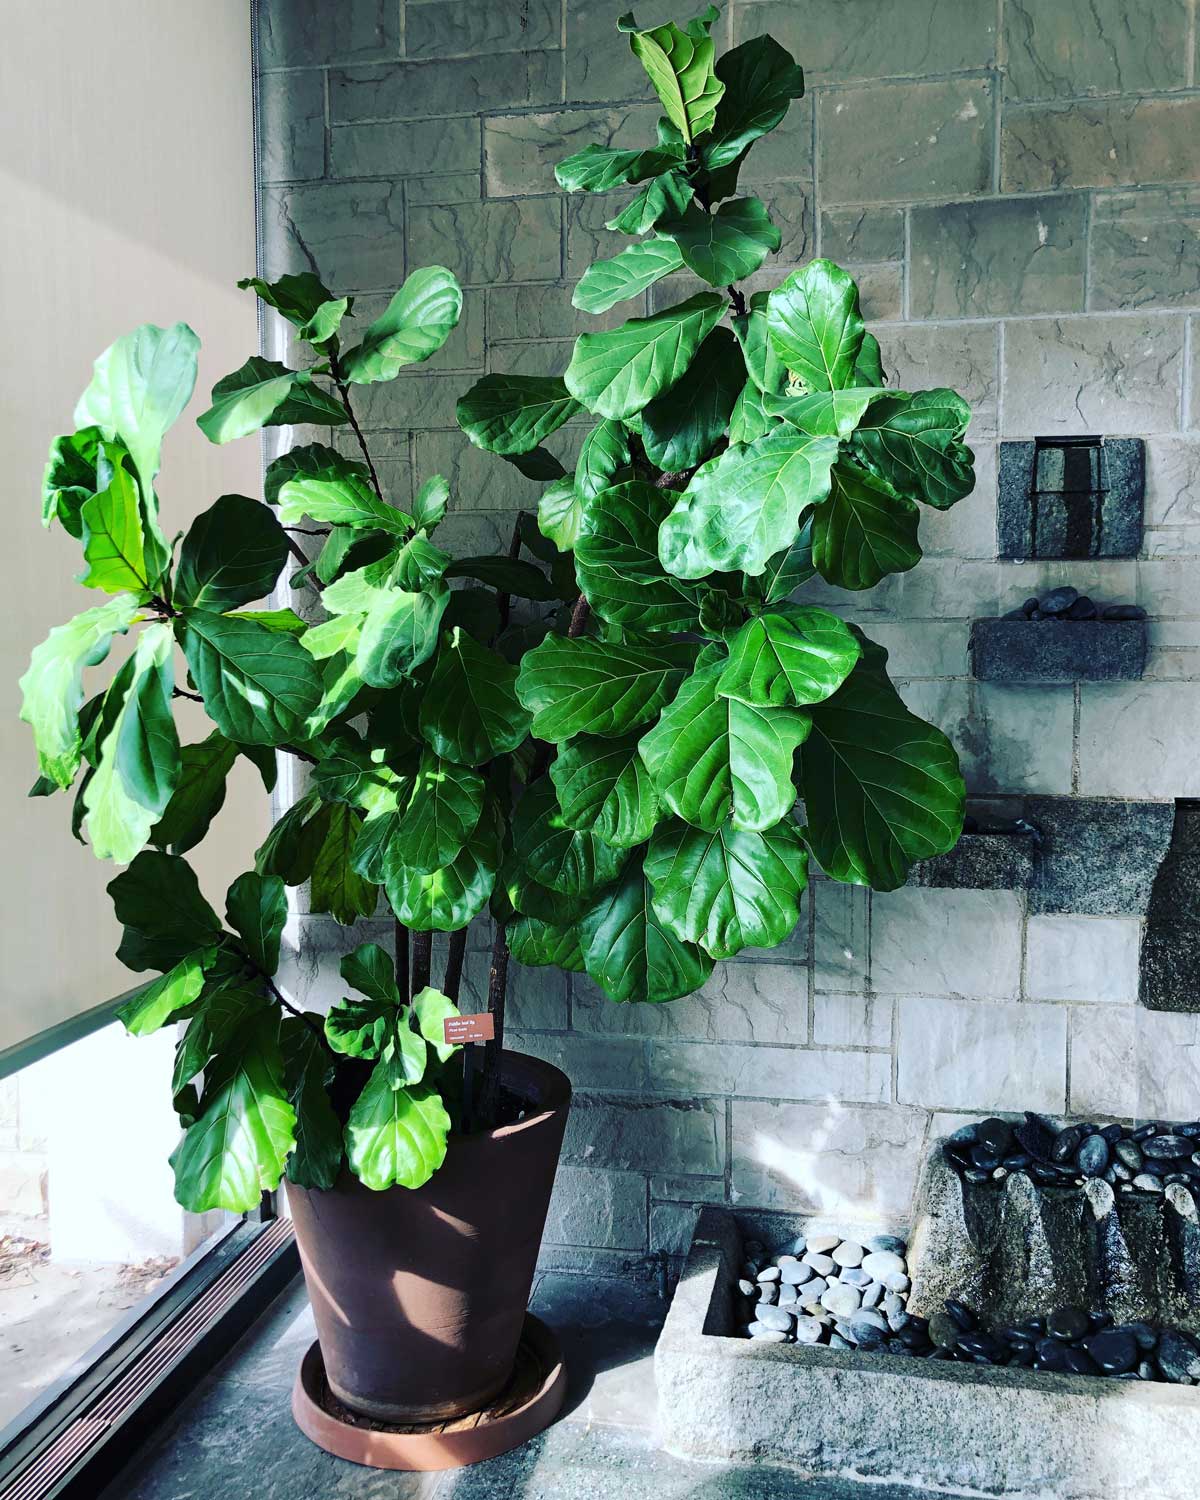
x=126, y=185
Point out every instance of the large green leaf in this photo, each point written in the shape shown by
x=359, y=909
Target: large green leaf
x=790, y=568
x=507, y=575
x=603, y=452
x=198, y=796
x=236, y=1150
x=450, y=898
x=256, y=909
x=415, y=324
x=442, y=813
x=749, y=420
x=166, y=996
x=432, y=1009
x=336, y=886
x=586, y=686
x=789, y=656
x=606, y=282
x=868, y=368
x=358, y=1027
x=158, y=902
x=727, y=890
x=536, y=943
x=258, y=685
x=290, y=849
x=232, y=554
x=52, y=688
x=912, y=443
x=725, y=246
x=815, y=325
x=471, y=711
x=616, y=374
x=604, y=788
x=741, y=508
x=763, y=365
x=863, y=531
x=663, y=197
x=616, y=561
x=679, y=63
x=560, y=514
x=559, y=857
x=371, y=969
x=399, y=632
x=336, y=498
x=823, y=413
x=70, y=478
x=309, y=459
x=396, y=1135
x=114, y=545
x=304, y=300
x=510, y=414
x=138, y=752
x=227, y=1004
x=681, y=427
x=385, y=804
x=317, y=1159
x=597, y=169
x=881, y=787
x=264, y=393
x=761, y=79
x=430, y=502
x=713, y=757
x=140, y=384
x=629, y=951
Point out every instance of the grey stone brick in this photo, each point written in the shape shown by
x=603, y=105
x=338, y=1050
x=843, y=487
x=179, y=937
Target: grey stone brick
x=409, y=404
x=587, y=238
x=291, y=128
x=544, y=357
x=449, y=187
x=303, y=33
x=1109, y=143
x=787, y=153
x=862, y=235
x=537, y=998
x=980, y=1055
x=600, y=64
x=880, y=291
x=836, y=40
x=1003, y=256
x=442, y=28
x=791, y=209
x=404, y=148
x=819, y=1158
x=646, y=1134
x=741, y=1002
x=1098, y=858
x=841, y=936
x=1140, y=1064
x=968, y=529
x=1145, y=249
x=923, y=648
x=688, y=1189
x=351, y=232
x=852, y=1020
x=991, y=861
x=1138, y=739
x=697, y=1068
x=544, y=311
x=602, y=1064
x=478, y=481
x=1082, y=958
x=1093, y=374
x=487, y=242
x=1192, y=418
x=916, y=943
x=917, y=356
x=597, y=1208
x=1058, y=651
x=521, y=151
x=937, y=141
x=457, y=85
x=1173, y=485
x=1075, y=47
x=671, y=1227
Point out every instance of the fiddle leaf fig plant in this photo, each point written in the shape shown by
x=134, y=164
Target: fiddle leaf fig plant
x=621, y=742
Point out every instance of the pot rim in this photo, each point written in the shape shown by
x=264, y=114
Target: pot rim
x=555, y=1096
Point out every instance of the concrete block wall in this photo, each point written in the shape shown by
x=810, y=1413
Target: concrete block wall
x=1016, y=185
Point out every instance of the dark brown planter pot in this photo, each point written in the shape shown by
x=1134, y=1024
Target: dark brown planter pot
x=419, y=1295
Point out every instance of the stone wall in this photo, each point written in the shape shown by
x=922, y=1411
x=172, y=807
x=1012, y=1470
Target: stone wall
x=1016, y=185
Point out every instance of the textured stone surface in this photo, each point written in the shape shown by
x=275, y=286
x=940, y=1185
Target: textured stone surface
x=486, y=242
x=1082, y=958
x=1145, y=249
x=353, y=230
x=1137, y=739
x=1046, y=510
x=913, y=945
x=439, y=28
x=423, y=146
x=1050, y=48
x=963, y=1054
x=862, y=235
x=989, y=723
x=642, y=1134
x=1111, y=143
x=852, y=1020
x=696, y=1068
x=741, y=1002
x=984, y=862
x=1141, y=1064
x=291, y=127
x=1054, y=651
x=840, y=936
x=598, y=1208
x=919, y=355
x=521, y=151
x=1170, y=960
x=459, y=85
x=1078, y=872
x=301, y=33
x=1007, y=255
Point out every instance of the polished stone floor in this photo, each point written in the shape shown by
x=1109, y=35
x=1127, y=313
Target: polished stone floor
x=235, y=1437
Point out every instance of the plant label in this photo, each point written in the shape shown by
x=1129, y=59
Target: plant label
x=458, y=1030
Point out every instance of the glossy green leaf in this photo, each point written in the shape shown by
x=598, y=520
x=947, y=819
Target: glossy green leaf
x=232, y=554
x=52, y=688
x=616, y=374
x=362, y=1028
x=264, y=393
x=228, y=1002
x=396, y=1136
x=638, y=266
x=631, y=953
x=749, y=420
x=140, y=385
x=471, y=712
x=290, y=849
x=881, y=787
x=430, y=502
x=741, y=508
x=912, y=443
x=336, y=886
x=199, y=794
x=604, y=788
x=823, y=413
x=513, y=413
x=371, y=969
x=681, y=427
x=236, y=1150
x=70, y=478
x=868, y=368
x=158, y=902
x=399, y=632
x=790, y=568
x=714, y=758
x=507, y=575
x=441, y=814
x=415, y=324
x=597, y=169
x=560, y=514
x=338, y=499
x=258, y=685
x=113, y=540
x=863, y=531
x=761, y=79
x=725, y=246
x=663, y=197
x=789, y=656
x=538, y=944
x=452, y=897
x=311, y=459
x=605, y=450
x=256, y=909
x=679, y=63
x=725, y=890
x=299, y=297
x=165, y=997
x=815, y=325
x=432, y=1009
x=317, y=1158
x=616, y=561
x=560, y=858
x=763, y=365
x=586, y=686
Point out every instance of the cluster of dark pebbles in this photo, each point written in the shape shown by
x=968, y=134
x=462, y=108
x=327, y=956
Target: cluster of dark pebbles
x=1066, y=603
x=1147, y=1159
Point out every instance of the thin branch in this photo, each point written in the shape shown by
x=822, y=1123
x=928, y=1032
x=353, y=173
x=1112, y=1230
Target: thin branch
x=192, y=697
x=738, y=300
x=163, y=606
x=343, y=390
x=299, y=754
x=288, y=1006
x=580, y=615
x=452, y=979
x=298, y=553
x=489, y=1093
x=307, y=530
x=422, y=955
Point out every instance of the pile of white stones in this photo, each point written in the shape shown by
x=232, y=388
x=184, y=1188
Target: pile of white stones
x=827, y=1290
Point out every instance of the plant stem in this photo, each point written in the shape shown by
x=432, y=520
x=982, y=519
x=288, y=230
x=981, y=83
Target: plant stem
x=302, y=558
x=452, y=979
x=489, y=1093
x=422, y=955
x=738, y=300
x=401, y=957
x=180, y=693
x=300, y=754
x=579, y=618
x=343, y=389
x=299, y=1014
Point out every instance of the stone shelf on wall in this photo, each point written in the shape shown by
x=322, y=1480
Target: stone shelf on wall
x=997, y=859
x=1053, y=650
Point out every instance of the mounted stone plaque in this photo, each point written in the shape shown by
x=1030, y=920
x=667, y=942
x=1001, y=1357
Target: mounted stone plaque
x=1072, y=497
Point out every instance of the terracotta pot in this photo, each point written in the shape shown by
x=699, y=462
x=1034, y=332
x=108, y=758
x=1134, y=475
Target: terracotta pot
x=419, y=1295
